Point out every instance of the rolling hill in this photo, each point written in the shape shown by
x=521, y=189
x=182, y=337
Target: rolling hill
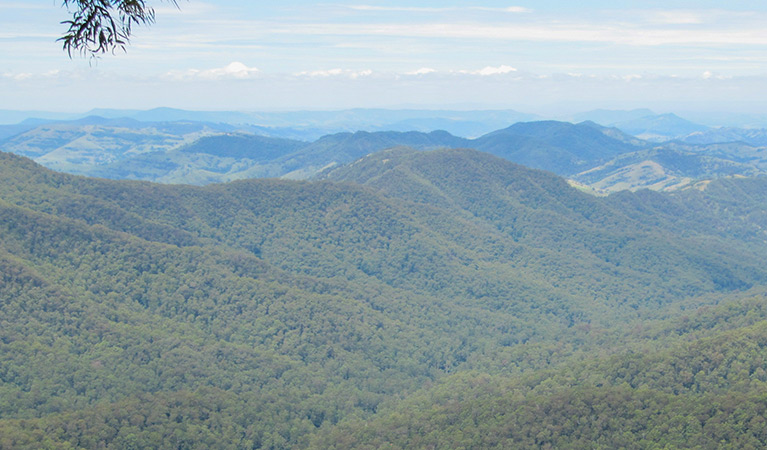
x=83, y=146
x=605, y=159
x=210, y=159
x=276, y=313
x=663, y=168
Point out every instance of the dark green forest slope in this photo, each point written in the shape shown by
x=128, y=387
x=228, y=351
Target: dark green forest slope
x=707, y=392
x=265, y=313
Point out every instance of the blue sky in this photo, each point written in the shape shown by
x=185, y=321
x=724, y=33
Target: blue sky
x=526, y=55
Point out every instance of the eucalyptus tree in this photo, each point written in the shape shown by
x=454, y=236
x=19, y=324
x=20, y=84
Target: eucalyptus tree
x=102, y=26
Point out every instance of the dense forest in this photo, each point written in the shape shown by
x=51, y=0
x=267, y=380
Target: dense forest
x=411, y=299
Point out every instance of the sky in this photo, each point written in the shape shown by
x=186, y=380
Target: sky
x=525, y=55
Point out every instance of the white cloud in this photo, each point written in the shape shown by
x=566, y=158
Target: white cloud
x=421, y=71
x=708, y=75
x=22, y=76
x=234, y=70
x=335, y=73
x=517, y=9
x=361, y=73
x=489, y=70
x=321, y=73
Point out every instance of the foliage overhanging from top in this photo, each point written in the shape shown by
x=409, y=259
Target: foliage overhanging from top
x=102, y=26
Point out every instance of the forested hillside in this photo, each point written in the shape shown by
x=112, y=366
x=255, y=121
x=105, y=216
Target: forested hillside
x=705, y=392
x=289, y=314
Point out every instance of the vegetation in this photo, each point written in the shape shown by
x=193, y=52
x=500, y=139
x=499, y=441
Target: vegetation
x=704, y=393
x=101, y=26
x=450, y=290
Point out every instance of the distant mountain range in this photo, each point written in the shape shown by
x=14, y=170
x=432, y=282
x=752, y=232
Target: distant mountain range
x=310, y=125
x=659, y=128
x=609, y=116
x=196, y=152
x=644, y=124
x=313, y=124
x=750, y=136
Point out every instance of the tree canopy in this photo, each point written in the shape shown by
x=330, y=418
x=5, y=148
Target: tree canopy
x=443, y=299
x=101, y=26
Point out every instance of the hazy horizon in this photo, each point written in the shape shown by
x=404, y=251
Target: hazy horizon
x=525, y=55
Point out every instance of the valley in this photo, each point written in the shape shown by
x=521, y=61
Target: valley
x=392, y=302
x=603, y=158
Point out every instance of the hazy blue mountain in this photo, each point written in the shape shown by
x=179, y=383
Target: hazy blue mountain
x=112, y=113
x=175, y=115
x=608, y=117
x=127, y=147
x=465, y=123
x=382, y=119
x=752, y=136
x=615, y=133
x=297, y=134
x=204, y=152
x=117, y=122
x=661, y=127
x=13, y=116
x=165, y=114
x=330, y=122
x=458, y=127
x=560, y=147
x=7, y=131
x=734, y=118
x=468, y=124
x=343, y=148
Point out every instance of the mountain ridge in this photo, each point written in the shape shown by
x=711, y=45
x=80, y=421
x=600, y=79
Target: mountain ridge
x=265, y=313
x=195, y=152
